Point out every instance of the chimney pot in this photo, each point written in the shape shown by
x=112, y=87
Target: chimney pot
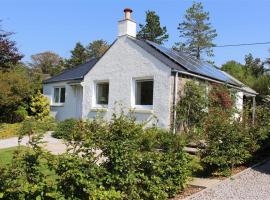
x=128, y=12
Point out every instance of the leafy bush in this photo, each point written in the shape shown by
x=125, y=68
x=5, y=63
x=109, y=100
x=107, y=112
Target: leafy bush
x=40, y=106
x=129, y=167
x=64, y=129
x=227, y=140
x=21, y=113
x=142, y=169
x=9, y=130
x=221, y=97
x=227, y=144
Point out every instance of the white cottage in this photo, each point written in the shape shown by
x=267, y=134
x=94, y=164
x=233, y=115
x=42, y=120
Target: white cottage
x=138, y=74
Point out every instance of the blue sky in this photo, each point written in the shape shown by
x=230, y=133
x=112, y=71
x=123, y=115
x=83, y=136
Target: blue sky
x=56, y=25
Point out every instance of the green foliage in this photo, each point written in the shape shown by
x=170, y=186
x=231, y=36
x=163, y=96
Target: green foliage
x=254, y=73
x=21, y=113
x=65, y=129
x=9, y=130
x=15, y=91
x=127, y=167
x=97, y=48
x=227, y=143
x=152, y=30
x=23, y=178
x=191, y=107
x=47, y=63
x=196, y=32
x=156, y=170
x=40, y=106
x=79, y=56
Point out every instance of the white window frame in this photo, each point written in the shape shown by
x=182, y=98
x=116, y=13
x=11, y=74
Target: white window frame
x=133, y=93
x=59, y=93
x=94, y=101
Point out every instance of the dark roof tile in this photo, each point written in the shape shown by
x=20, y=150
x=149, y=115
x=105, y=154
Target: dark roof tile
x=76, y=73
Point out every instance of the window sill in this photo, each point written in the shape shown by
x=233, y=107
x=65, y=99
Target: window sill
x=99, y=109
x=142, y=110
x=57, y=105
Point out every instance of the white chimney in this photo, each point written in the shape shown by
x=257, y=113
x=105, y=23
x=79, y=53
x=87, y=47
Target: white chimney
x=127, y=26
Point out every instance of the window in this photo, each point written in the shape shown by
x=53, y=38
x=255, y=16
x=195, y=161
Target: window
x=59, y=95
x=102, y=93
x=144, y=92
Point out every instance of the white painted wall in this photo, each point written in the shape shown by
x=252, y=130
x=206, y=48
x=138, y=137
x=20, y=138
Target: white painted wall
x=123, y=62
x=73, y=101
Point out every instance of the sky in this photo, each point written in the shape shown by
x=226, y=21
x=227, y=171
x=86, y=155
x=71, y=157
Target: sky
x=56, y=25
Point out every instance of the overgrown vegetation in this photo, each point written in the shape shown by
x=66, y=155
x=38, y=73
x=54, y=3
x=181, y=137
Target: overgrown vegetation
x=134, y=163
x=229, y=141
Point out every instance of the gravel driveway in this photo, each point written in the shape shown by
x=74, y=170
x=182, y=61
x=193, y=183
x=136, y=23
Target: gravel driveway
x=251, y=184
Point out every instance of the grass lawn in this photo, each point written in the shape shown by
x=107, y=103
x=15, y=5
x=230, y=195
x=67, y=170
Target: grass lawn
x=6, y=156
x=9, y=130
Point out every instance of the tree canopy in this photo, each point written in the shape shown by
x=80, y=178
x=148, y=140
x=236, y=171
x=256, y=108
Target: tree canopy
x=9, y=54
x=254, y=73
x=47, y=62
x=97, y=48
x=79, y=55
x=152, y=30
x=196, y=32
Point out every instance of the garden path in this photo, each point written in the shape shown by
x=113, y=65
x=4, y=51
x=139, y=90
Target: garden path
x=55, y=146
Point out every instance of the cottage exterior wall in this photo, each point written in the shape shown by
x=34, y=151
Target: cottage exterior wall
x=73, y=101
x=123, y=62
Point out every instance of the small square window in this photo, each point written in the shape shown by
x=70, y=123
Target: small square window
x=59, y=95
x=144, y=92
x=102, y=93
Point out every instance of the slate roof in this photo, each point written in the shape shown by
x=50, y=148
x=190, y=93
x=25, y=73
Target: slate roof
x=76, y=73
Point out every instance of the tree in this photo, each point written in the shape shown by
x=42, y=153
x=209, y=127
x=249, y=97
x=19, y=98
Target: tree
x=255, y=65
x=97, y=48
x=253, y=73
x=79, y=55
x=9, y=54
x=196, y=32
x=47, y=62
x=152, y=30
x=15, y=90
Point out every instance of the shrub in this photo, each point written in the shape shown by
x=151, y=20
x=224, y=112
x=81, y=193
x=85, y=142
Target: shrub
x=64, y=129
x=132, y=169
x=221, y=97
x=24, y=178
x=142, y=169
x=20, y=114
x=40, y=106
x=227, y=144
x=9, y=130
